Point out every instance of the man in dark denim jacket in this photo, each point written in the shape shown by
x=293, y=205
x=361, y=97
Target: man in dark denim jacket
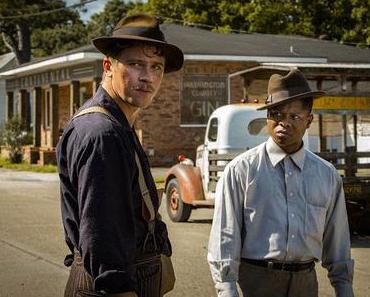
x=103, y=213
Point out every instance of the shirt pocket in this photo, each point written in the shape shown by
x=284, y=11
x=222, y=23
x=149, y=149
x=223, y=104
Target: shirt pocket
x=315, y=221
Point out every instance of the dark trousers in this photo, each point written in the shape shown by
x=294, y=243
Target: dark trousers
x=148, y=272
x=256, y=281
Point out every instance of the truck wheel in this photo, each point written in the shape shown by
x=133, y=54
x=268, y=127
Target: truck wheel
x=177, y=210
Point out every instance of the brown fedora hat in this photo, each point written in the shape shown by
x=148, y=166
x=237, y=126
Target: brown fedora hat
x=141, y=27
x=282, y=89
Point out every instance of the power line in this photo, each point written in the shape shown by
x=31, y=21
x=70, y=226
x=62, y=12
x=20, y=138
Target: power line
x=24, y=16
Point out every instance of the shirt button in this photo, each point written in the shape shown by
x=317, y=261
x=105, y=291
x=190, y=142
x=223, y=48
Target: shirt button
x=292, y=215
x=293, y=236
x=291, y=194
x=290, y=173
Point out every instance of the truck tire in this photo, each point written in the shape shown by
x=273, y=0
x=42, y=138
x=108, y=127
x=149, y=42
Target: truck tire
x=177, y=210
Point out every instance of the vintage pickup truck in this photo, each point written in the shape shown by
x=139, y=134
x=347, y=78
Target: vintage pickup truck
x=231, y=130
x=234, y=128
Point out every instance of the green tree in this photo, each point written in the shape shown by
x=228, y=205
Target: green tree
x=341, y=20
x=212, y=14
x=359, y=31
x=103, y=23
x=14, y=135
x=61, y=38
x=3, y=48
x=22, y=21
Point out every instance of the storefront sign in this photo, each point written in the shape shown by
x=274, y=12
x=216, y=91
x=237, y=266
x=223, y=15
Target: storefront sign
x=342, y=103
x=51, y=77
x=200, y=96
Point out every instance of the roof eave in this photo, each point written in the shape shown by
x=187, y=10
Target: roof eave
x=321, y=65
x=259, y=59
x=53, y=63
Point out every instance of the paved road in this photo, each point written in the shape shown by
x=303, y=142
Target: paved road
x=32, y=249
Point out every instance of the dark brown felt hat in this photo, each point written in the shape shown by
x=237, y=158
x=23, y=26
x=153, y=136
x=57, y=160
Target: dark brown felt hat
x=141, y=27
x=283, y=89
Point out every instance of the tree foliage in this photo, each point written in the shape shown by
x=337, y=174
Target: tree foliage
x=61, y=38
x=14, y=135
x=3, y=48
x=340, y=20
x=103, y=23
x=59, y=31
x=23, y=21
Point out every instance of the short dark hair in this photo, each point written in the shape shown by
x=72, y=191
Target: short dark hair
x=307, y=104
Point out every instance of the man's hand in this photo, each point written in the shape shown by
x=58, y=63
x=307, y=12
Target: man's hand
x=126, y=294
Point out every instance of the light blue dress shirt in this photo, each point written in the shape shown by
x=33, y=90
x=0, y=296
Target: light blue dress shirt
x=289, y=208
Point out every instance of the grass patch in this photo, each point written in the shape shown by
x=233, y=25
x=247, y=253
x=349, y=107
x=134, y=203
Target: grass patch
x=5, y=163
x=159, y=180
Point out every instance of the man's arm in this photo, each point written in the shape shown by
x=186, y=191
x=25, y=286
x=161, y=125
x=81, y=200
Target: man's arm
x=225, y=239
x=336, y=257
x=107, y=224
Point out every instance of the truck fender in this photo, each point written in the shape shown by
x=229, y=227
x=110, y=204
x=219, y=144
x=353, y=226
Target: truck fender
x=190, y=182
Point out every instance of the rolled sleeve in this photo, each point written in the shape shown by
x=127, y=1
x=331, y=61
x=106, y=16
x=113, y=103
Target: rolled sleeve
x=341, y=275
x=225, y=239
x=107, y=227
x=227, y=289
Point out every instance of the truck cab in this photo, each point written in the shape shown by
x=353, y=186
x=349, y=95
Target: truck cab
x=231, y=130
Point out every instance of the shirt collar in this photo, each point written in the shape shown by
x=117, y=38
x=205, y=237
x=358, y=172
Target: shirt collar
x=276, y=154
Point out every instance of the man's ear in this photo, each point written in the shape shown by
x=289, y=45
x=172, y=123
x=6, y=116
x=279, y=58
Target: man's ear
x=310, y=119
x=107, y=67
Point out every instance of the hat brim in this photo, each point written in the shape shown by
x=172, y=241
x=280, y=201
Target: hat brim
x=313, y=94
x=174, y=57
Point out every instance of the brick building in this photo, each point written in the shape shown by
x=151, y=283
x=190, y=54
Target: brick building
x=219, y=69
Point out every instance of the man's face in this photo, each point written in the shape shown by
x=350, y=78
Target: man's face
x=136, y=74
x=287, y=124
